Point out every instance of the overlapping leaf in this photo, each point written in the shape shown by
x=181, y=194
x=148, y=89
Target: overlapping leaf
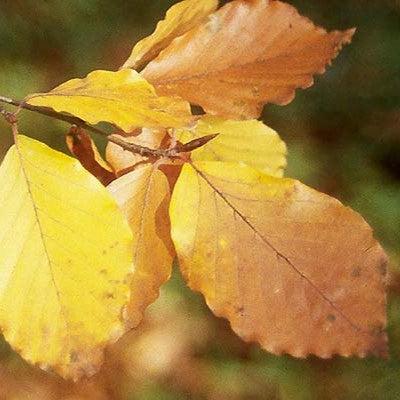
x=122, y=98
x=121, y=160
x=291, y=268
x=81, y=145
x=144, y=195
x=250, y=142
x=65, y=263
x=247, y=54
x=179, y=19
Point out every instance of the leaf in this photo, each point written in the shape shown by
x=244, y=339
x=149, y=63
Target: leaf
x=121, y=98
x=290, y=268
x=250, y=142
x=122, y=160
x=81, y=145
x=65, y=262
x=144, y=196
x=249, y=53
x=180, y=18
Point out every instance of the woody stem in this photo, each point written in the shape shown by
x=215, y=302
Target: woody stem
x=134, y=148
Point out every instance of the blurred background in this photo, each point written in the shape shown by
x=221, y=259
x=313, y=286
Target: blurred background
x=343, y=137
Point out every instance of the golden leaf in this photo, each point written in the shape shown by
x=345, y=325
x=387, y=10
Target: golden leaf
x=248, y=53
x=250, y=142
x=180, y=18
x=144, y=196
x=121, y=98
x=65, y=262
x=290, y=268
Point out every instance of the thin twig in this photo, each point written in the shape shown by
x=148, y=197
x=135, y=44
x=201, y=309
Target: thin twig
x=142, y=150
x=132, y=147
x=53, y=114
x=8, y=116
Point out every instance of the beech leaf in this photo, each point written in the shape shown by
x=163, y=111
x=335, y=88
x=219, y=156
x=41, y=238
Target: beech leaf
x=122, y=161
x=250, y=142
x=247, y=54
x=65, y=263
x=81, y=145
x=121, y=98
x=180, y=18
x=290, y=268
x=144, y=196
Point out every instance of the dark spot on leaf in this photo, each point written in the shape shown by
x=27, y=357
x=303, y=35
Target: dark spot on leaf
x=238, y=103
x=109, y=295
x=356, y=272
x=103, y=271
x=377, y=330
x=74, y=356
x=331, y=318
x=240, y=310
x=383, y=267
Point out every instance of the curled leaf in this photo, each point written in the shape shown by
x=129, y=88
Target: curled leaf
x=290, y=268
x=65, y=263
x=250, y=142
x=247, y=54
x=81, y=145
x=180, y=18
x=143, y=195
x=122, y=98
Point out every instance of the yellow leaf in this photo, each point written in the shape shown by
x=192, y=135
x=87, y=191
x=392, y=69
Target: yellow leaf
x=247, y=54
x=122, y=98
x=65, y=263
x=291, y=268
x=179, y=19
x=250, y=142
x=144, y=196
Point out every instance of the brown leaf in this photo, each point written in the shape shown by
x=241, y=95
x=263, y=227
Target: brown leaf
x=248, y=53
x=81, y=145
x=290, y=268
x=122, y=160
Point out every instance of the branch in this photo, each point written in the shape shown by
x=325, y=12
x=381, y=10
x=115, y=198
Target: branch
x=52, y=114
x=132, y=147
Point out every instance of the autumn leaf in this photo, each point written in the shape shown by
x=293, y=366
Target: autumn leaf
x=65, y=262
x=250, y=142
x=247, y=54
x=180, y=18
x=121, y=98
x=82, y=146
x=144, y=196
x=122, y=160
x=290, y=268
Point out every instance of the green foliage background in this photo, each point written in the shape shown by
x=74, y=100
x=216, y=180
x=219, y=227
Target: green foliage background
x=343, y=137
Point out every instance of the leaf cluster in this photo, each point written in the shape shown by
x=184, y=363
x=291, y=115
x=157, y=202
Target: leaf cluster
x=291, y=268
